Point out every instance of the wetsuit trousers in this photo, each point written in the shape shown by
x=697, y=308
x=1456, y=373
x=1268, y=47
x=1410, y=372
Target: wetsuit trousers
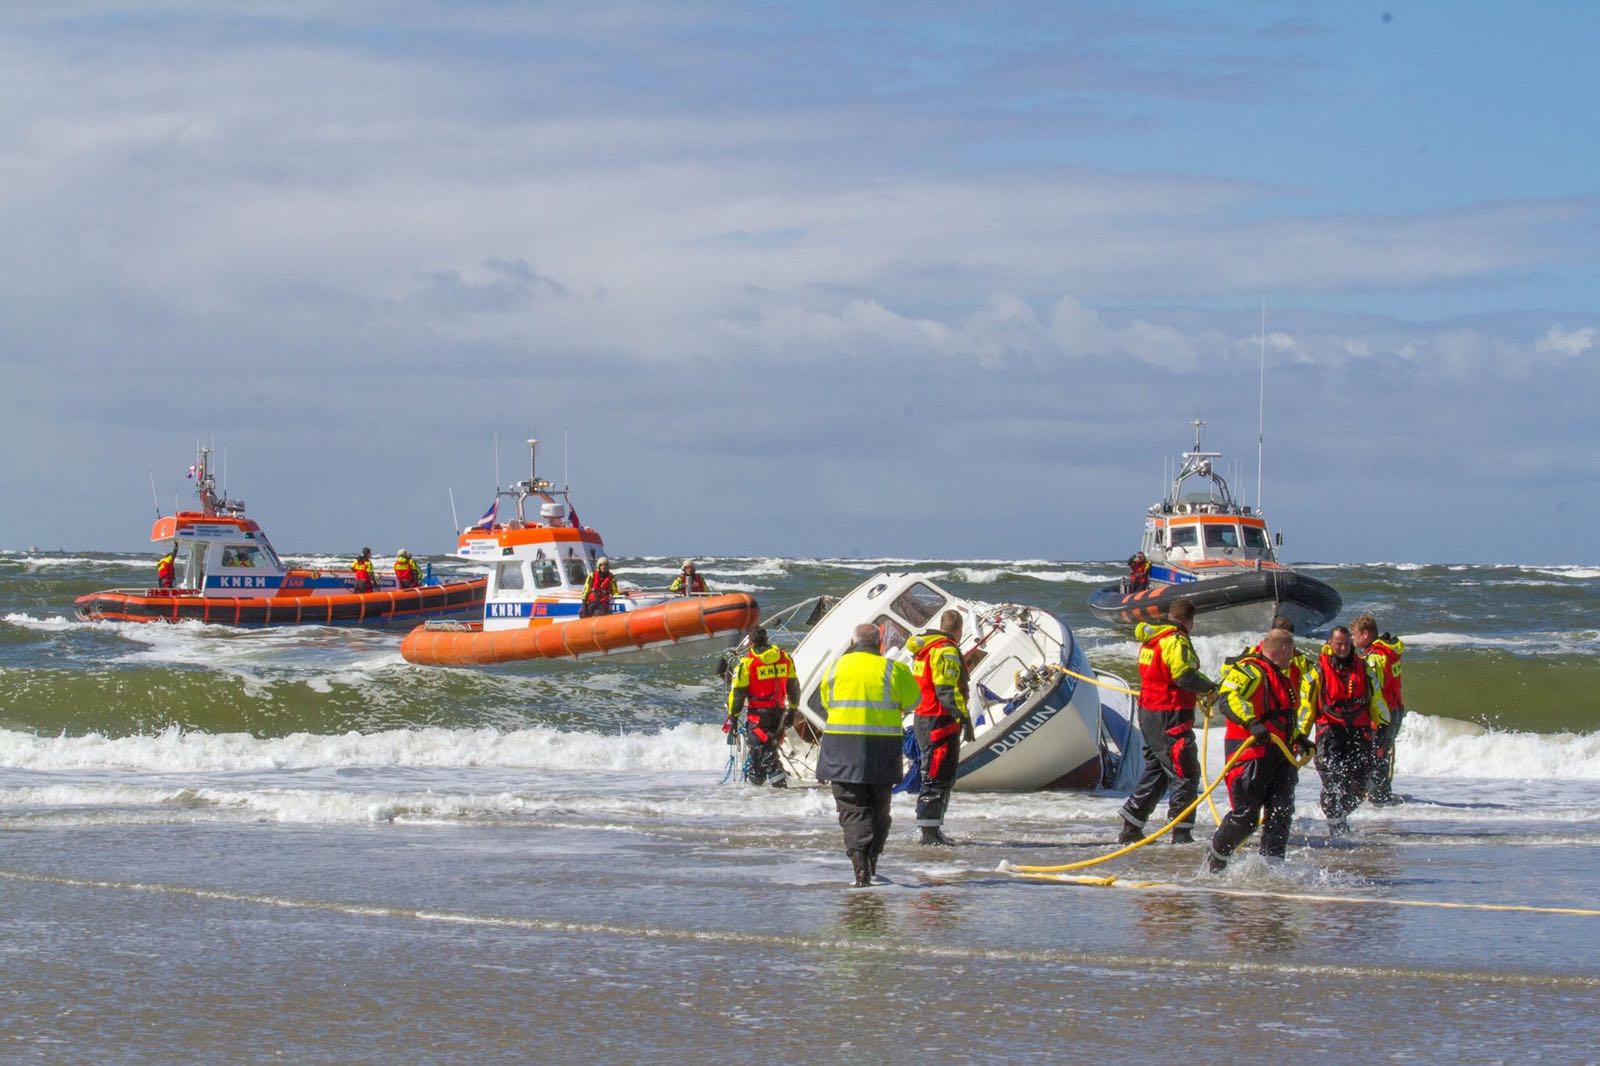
x=1344, y=760
x=1170, y=756
x=939, y=747
x=1262, y=791
x=766, y=768
x=1380, y=788
x=864, y=816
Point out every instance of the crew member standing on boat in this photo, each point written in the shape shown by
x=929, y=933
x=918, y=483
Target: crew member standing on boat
x=366, y=577
x=1261, y=706
x=1169, y=681
x=167, y=568
x=942, y=719
x=766, y=687
x=1138, y=572
x=406, y=573
x=688, y=582
x=598, y=589
x=864, y=696
x=1340, y=696
x=1383, y=657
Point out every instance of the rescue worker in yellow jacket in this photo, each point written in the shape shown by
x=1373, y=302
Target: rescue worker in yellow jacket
x=1169, y=682
x=1341, y=698
x=688, y=581
x=366, y=578
x=599, y=588
x=167, y=568
x=766, y=687
x=1382, y=654
x=942, y=719
x=1263, y=708
x=407, y=574
x=864, y=696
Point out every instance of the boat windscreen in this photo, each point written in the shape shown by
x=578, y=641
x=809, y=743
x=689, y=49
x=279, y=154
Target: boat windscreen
x=894, y=635
x=1222, y=536
x=1183, y=537
x=1255, y=539
x=917, y=604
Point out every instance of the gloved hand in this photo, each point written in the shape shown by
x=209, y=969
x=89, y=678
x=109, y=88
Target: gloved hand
x=966, y=729
x=1260, y=733
x=1301, y=747
x=729, y=731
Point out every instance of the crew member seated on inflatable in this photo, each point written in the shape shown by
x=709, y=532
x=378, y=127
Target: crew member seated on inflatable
x=406, y=573
x=366, y=578
x=167, y=568
x=766, y=687
x=1138, y=572
x=688, y=582
x=598, y=589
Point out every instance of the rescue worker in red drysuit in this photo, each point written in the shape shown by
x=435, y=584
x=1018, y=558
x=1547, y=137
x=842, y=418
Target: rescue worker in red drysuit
x=688, y=581
x=406, y=573
x=1138, y=572
x=1339, y=696
x=1383, y=658
x=941, y=720
x=167, y=568
x=766, y=687
x=1259, y=701
x=598, y=589
x=1169, y=682
x=366, y=578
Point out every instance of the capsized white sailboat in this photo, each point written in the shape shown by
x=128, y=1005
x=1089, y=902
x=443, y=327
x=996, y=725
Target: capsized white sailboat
x=1040, y=719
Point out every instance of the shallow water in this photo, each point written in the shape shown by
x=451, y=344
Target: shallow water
x=231, y=846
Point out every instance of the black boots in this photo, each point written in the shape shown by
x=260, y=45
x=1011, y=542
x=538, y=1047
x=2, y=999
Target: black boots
x=863, y=867
x=932, y=834
x=1131, y=834
x=1182, y=835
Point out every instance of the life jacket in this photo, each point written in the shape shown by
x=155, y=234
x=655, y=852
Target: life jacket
x=1138, y=575
x=1156, y=689
x=1297, y=667
x=1272, y=702
x=934, y=667
x=406, y=573
x=766, y=674
x=364, y=573
x=1344, y=695
x=599, y=588
x=165, y=571
x=1388, y=649
x=688, y=583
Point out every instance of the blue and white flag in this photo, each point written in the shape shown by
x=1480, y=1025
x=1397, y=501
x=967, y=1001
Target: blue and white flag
x=487, y=521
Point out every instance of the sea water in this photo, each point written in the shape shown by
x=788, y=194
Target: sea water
x=228, y=845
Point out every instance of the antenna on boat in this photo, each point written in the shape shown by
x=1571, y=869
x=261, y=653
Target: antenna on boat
x=153, y=497
x=1261, y=404
x=497, y=460
x=566, y=479
x=455, y=522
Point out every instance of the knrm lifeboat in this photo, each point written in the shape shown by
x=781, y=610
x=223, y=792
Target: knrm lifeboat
x=1203, y=546
x=539, y=560
x=226, y=572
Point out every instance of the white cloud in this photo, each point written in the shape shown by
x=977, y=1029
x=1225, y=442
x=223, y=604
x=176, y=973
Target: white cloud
x=1568, y=343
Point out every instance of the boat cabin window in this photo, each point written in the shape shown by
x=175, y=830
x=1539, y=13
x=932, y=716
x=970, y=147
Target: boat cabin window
x=244, y=557
x=1222, y=536
x=1182, y=537
x=917, y=604
x=576, y=575
x=545, y=575
x=1255, y=539
x=894, y=634
x=508, y=578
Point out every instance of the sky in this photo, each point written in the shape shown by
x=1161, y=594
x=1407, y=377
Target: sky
x=932, y=280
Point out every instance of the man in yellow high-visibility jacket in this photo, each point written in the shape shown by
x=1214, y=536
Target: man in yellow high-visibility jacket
x=865, y=696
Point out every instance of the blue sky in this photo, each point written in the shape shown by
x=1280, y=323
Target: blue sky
x=904, y=280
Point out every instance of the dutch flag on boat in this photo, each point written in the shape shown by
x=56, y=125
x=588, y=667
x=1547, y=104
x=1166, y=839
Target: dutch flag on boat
x=487, y=521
